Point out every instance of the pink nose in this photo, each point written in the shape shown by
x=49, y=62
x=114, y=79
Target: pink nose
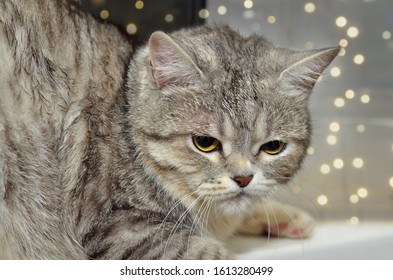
x=243, y=181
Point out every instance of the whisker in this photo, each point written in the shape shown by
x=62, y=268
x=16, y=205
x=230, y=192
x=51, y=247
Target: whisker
x=178, y=222
x=160, y=229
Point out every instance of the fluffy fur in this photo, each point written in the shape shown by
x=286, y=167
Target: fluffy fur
x=96, y=152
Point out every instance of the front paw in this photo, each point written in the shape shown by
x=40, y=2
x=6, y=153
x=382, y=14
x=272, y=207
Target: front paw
x=295, y=224
x=278, y=220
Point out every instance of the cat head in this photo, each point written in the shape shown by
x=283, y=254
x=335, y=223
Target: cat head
x=216, y=116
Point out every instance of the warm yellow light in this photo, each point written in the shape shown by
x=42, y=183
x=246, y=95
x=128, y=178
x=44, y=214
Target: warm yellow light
x=391, y=182
x=334, y=126
x=353, y=32
x=204, y=13
x=248, y=4
x=104, y=14
x=386, y=35
x=309, y=7
x=354, y=220
x=338, y=163
x=331, y=140
x=325, y=169
x=354, y=199
x=222, y=10
x=339, y=102
x=335, y=71
x=310, y=151
x=359, y=59
x=358, y=163
x=131, y=28
x=271, y=19
x=362, y=192
x=322, y=200
x=365, y=98
x=341, y=21
x=342, y=52
x=361, y=128
x=349, y=94
x=139, y=4
x=169, y=18
x=343, y=43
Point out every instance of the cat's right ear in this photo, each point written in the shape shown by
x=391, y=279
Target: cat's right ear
x=304, y=70
x=170, y=64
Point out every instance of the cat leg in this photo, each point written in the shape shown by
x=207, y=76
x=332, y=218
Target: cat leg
x=276, y=219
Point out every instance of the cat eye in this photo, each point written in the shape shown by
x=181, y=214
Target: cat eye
x=273, y=147
x=206, y=144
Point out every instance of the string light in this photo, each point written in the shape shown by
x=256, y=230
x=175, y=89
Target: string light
x=339, y=102
x=362, y=192
x=358, y=59
x=343, y=43
x=350, y=94
x=334, y=126
x=386, y=35
x=322, y=200
x=357, y=163
x=271, y=19
x=248, y=4
x=365, y=98
x=204, y=13
x=391, y=182
x=335, y=72
x=341, y=21
x=331, y=140
x=353, y=32
x=222, y=10
x=309, y=7
x=169, y=18
x=325, y=169
x=139, y=4
x=361, y=128
x=342, y=52
x=338, y=163
x=104, y=14
x=310, y=151
x=354, y=199
x=131, y=28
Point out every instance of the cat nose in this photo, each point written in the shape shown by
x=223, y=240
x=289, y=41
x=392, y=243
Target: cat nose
x=243, y=181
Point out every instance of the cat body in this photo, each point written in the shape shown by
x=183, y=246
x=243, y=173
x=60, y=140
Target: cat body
x=102, y=149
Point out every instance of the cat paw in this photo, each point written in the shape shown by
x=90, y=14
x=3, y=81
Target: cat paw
x=293, y=225
x=278, y=220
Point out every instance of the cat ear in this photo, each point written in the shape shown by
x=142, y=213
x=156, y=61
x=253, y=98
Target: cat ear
x=304, y=71
x=170, y=64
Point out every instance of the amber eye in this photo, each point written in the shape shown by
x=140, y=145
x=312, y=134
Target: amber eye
x=273, y=147
x=206, y=144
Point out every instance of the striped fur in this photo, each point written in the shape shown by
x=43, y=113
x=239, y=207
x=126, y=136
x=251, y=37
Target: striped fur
x=96, y=159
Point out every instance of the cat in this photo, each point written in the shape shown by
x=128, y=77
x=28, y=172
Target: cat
x=159, y=152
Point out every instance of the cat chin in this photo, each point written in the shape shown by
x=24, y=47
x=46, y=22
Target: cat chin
x=236, y=205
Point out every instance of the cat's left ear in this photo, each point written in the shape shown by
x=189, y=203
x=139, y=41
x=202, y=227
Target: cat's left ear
x=304, y=70
x=170, y=64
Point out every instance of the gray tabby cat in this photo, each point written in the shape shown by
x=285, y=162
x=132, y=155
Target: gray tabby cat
x=160, y=153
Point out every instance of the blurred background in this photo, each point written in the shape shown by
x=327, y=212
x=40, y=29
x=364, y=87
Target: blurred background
x=348, y=174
